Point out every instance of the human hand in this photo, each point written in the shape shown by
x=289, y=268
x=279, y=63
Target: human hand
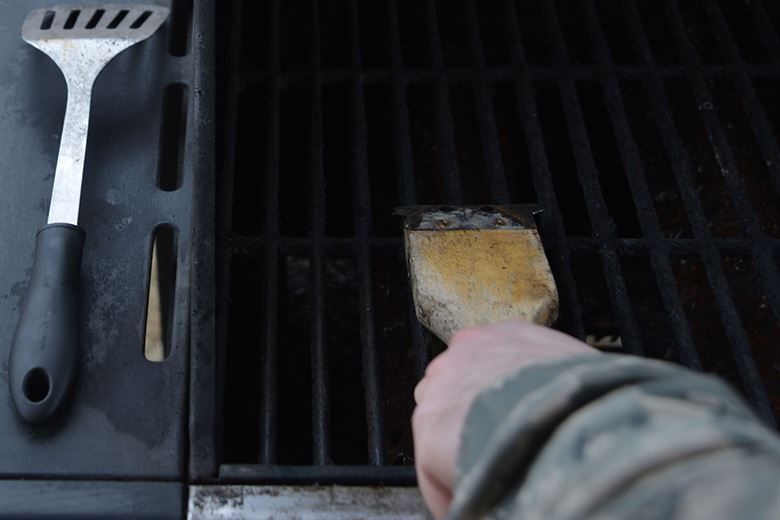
x=476, y=358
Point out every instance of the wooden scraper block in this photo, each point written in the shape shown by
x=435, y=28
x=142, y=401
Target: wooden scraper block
x=477, y=265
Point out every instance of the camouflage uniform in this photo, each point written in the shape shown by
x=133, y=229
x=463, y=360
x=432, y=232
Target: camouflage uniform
x=615, y=437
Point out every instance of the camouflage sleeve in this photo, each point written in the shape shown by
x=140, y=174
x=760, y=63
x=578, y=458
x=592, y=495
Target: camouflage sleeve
x=615, y=437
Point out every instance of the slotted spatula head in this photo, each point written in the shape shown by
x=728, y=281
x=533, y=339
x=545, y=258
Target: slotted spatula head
x=83, y=39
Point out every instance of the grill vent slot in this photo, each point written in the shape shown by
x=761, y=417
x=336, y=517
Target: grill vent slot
x=180, y=23
x=172, y=136
x=162, y=294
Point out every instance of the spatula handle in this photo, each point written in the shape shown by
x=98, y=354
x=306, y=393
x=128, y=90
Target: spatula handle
x=45, y=345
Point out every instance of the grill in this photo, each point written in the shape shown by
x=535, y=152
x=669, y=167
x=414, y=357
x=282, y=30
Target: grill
x=648, y=132
x=287, y=349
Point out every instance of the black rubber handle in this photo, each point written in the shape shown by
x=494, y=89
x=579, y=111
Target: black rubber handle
x=45, y=345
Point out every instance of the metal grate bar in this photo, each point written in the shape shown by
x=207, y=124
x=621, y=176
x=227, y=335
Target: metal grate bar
x=765, y=30
x=603, y=225
x=255, y=246
x=402, y=141
x=407, y=194
x=552, y=221
x=268, y=418
x=320, y=398
x=318, y=475
x=634, y=170
x=319, y=360
x=362, y=203
x=231, y=118
x=504, y=73
x=494, y=166
x=753, y=108
x=710, y=256
x=764, y=136
x=725, y=157
x=444, y=127
x=225, y=193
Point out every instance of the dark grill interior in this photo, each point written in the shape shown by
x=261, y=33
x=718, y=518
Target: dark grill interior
x=647, y=130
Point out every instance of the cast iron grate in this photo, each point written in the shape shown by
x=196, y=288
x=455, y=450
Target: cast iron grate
x=648, y=131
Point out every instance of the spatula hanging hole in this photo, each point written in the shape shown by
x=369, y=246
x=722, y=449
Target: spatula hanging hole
x=48, y=19
x=36, y=385
x=118, y=19
x=92, y=23
x=72, y=17
x=141, y=19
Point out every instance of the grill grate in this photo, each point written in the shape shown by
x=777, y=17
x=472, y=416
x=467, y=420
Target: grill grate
x=648, y=131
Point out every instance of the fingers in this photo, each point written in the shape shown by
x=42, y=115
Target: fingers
x=436, y=441
x=477, y=357
x=527, y=339
x=436, y=497
x=418, y=391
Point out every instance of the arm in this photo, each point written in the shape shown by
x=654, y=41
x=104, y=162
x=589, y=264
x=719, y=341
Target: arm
x=563, y=432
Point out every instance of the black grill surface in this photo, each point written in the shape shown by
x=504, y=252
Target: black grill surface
x=647, y=130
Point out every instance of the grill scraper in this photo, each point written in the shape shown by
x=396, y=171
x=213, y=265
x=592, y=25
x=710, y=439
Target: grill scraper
x=476, y=265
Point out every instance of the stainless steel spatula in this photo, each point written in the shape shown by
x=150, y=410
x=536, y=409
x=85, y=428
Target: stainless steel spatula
x=81, y=40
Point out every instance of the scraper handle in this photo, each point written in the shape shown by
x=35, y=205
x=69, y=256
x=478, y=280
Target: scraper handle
x=45, y=345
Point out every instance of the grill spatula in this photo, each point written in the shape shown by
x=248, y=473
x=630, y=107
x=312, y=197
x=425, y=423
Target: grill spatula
x=81, y=40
